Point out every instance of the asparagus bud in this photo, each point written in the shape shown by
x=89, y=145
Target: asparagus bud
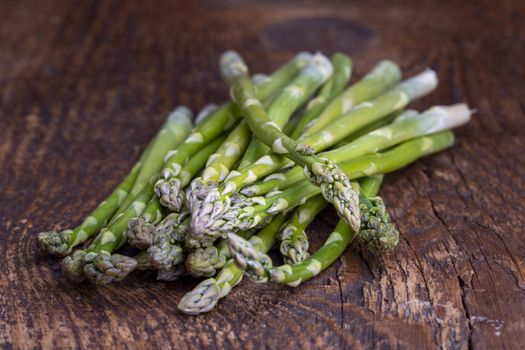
x=377, y=231
x=248, y=258
x=105, y=268
x=201, y=299
x=204, y=262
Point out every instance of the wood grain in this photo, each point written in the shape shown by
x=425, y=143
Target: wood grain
x=85, y=84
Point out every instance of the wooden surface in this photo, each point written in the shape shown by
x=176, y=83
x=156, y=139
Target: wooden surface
x=85, y=84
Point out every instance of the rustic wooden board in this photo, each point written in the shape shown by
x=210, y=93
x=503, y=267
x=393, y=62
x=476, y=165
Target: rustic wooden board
x=85, y=84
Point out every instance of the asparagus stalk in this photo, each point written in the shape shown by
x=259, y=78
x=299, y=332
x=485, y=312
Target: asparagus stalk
x=294, y=242
x=394, y=100
x=382, y=77
x=398, y=115
x=205, y=202
x=333, y=183
x=250, y=212
x=172, y=133
x=207, y=293
x=375, y=230
x=333, y=87
x=408, y=125
x=96, y=262
x=62, y=243
x=259, y=266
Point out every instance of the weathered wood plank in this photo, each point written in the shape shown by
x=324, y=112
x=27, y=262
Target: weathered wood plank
x=85, y=84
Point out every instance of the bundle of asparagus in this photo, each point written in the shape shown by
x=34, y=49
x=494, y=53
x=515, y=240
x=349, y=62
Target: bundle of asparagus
x=213, y=199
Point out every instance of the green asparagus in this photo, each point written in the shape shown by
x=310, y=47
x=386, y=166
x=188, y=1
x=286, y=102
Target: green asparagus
x=95, y=262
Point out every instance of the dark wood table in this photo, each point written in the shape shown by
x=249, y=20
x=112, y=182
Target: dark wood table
x=85, y=84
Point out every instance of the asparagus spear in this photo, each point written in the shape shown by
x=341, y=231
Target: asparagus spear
x=224, y=118
x=62, y=243
x=207, y=293
x=395, y=99
x=172, y=133
x=143, y=263
x=142, y=228
x=250, y=212
x=382, y=77
x=163, y=274
x=96, y=262
x=205, y=202
x=294, y=242
x=333, y=183
x=408, y=125
x=376, y=223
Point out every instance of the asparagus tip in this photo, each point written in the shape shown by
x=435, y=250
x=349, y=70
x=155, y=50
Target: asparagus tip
x=204, y=262
x=143, y=263
x=73, y=266
x=377, y=231
x=336, y=188
x=201, y=299
x=255, y=263
x=105, y=268
x=165, y=254
x=140, y=233
x=294, y=250
x=170, y=193
x=54, y=243
x=207, y=206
